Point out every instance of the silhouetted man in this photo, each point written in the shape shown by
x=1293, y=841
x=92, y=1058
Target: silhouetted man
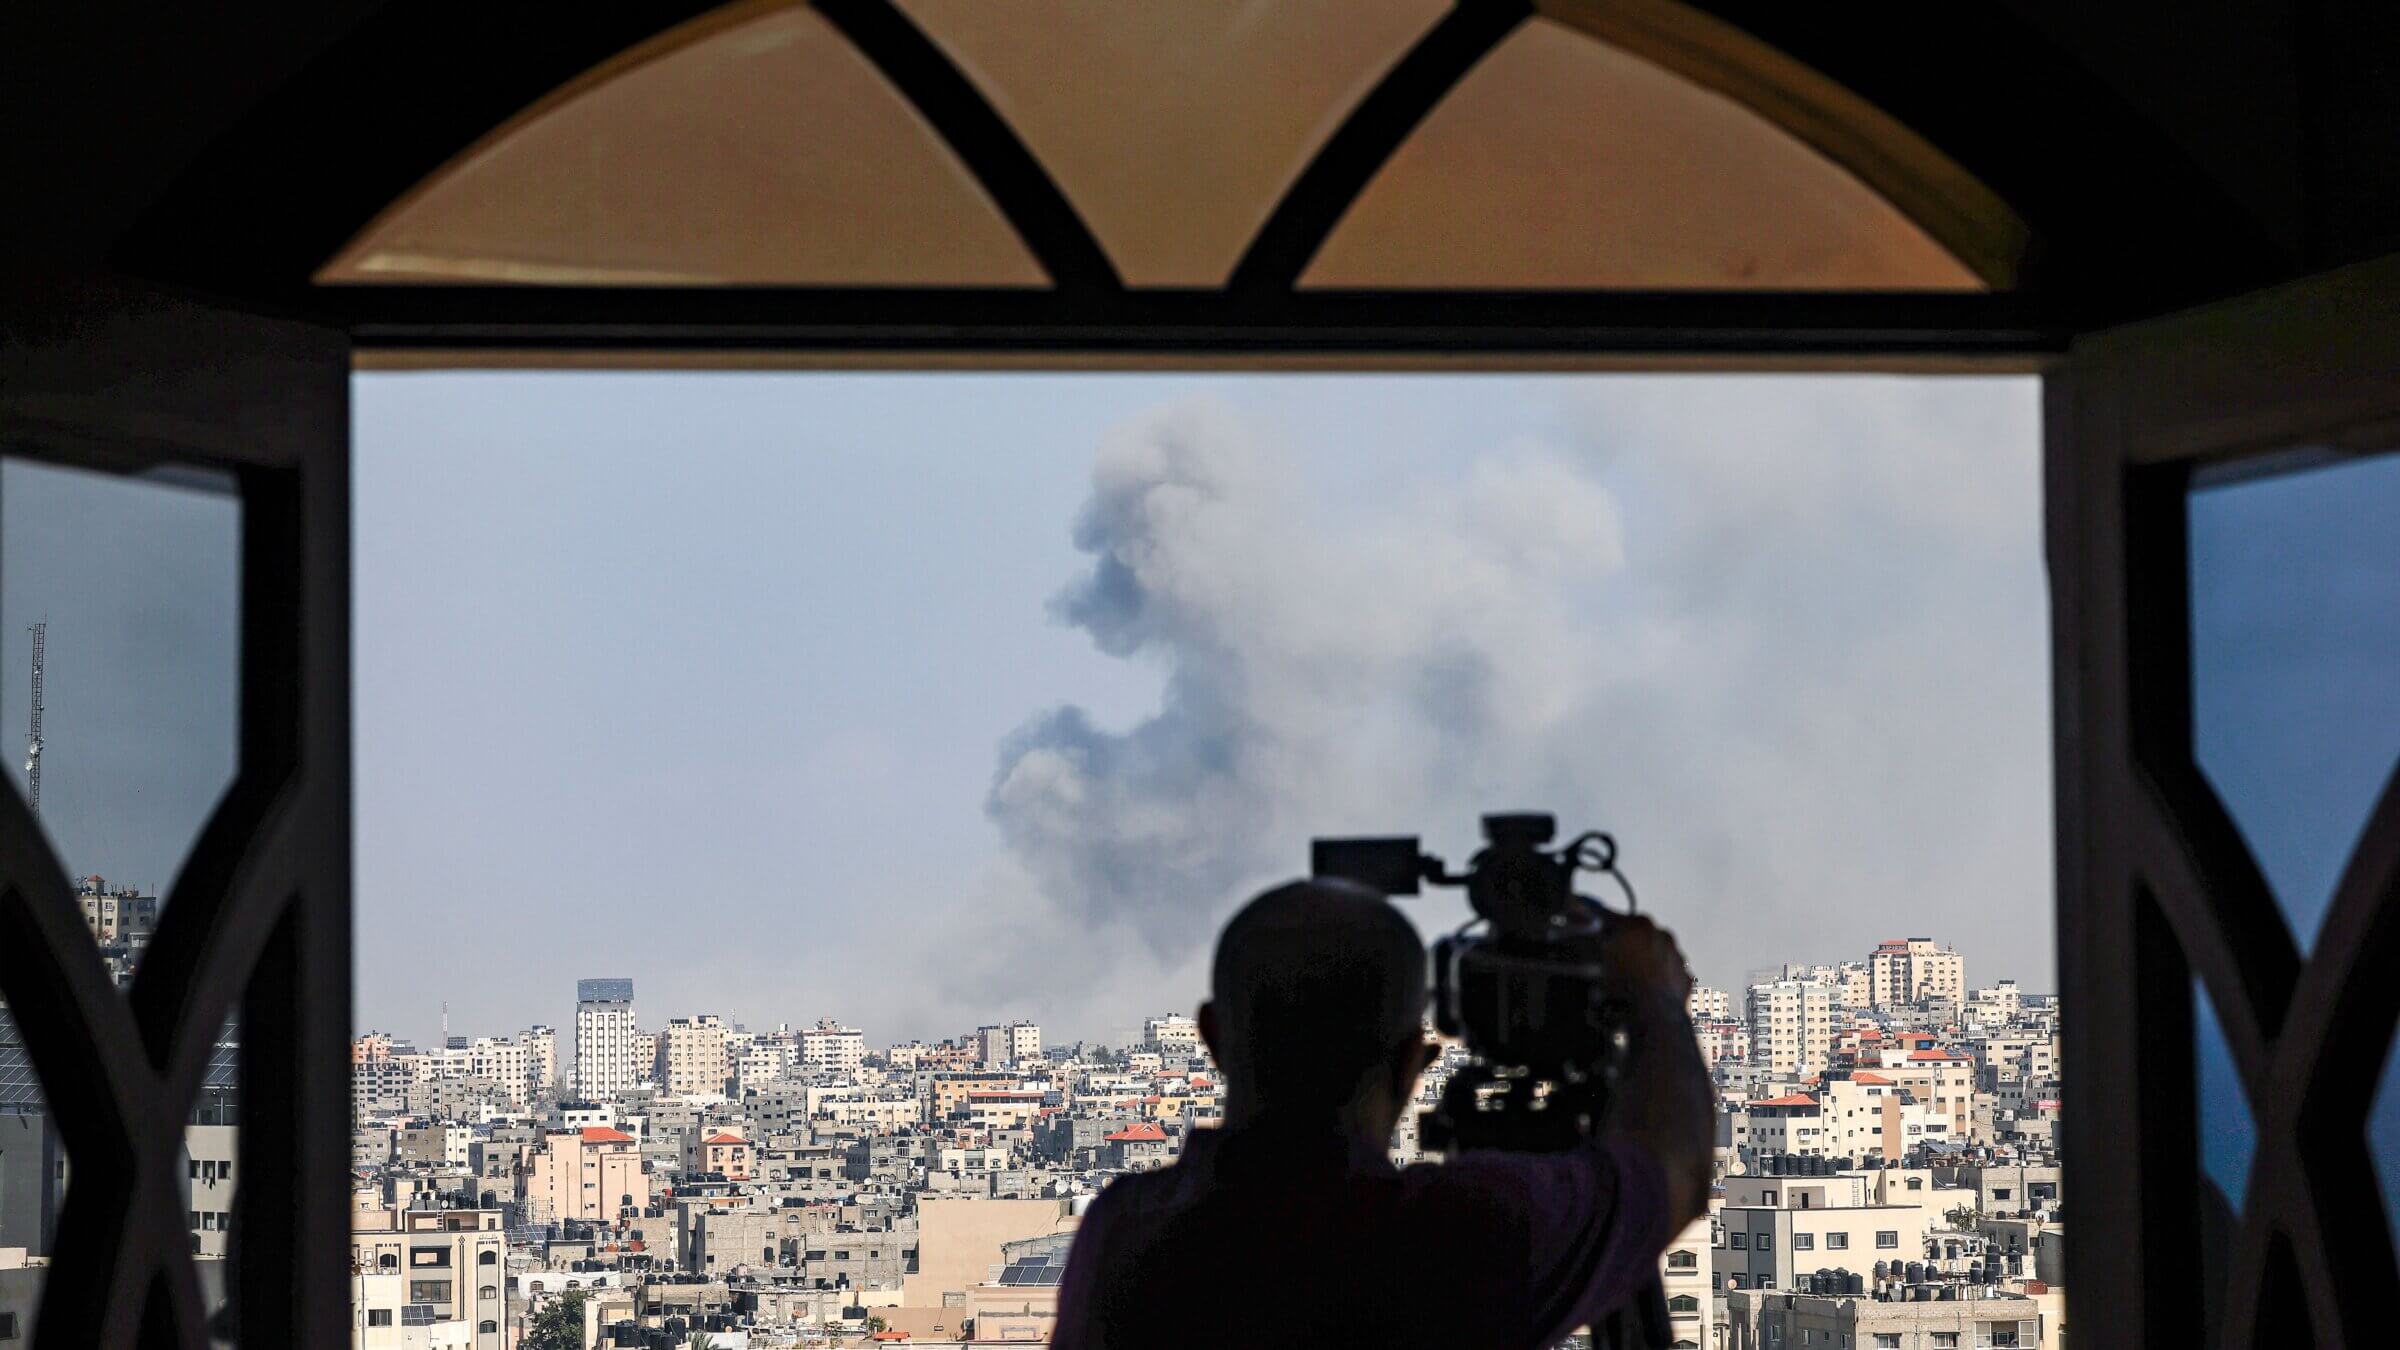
x=1290, y=1227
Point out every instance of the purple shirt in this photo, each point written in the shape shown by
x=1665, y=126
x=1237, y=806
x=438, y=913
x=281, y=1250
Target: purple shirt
x=1262, y=1237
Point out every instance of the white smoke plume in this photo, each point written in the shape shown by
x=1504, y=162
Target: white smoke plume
x=1785, y=638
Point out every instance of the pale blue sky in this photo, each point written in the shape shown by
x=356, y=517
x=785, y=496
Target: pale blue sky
x=705, y=679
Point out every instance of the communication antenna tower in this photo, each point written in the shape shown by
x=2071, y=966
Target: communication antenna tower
x=33, y=733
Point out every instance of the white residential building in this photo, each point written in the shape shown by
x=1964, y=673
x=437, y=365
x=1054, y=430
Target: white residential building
x=1791, y=1026
x=829, y=1045
x=608, y=1054
x=507, y=1064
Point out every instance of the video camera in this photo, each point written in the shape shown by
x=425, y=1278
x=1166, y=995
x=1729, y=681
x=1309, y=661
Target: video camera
x=1545, y=1021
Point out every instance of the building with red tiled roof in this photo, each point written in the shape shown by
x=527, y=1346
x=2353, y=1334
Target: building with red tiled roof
x=1140, y=1145
x=592, y=1174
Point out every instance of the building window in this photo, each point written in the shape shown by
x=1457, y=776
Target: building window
x=1766, y=1281
x=1887, y=1238
x=1683, y=1303
x=1945, y=1340
x=428, y=1256
x=486, y=1327
x=1682, y=1261
x=379, y=1317
x=1887, y=1338
x=1741, y=1241
x=2000, y=1192
x=1804, y=1242
x=429, y=1291
x=1766, y=1242
x=1837, y=1242
x=488, y=1292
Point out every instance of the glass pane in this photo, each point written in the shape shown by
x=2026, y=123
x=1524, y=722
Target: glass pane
x=2227, y=1134
x=1563, y=161
x=129, y=589
x=764, y=151
x=2296, y=664
x=1174, y=125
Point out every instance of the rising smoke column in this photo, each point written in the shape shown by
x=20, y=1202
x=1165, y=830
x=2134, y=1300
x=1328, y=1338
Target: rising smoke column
x=1318, y=677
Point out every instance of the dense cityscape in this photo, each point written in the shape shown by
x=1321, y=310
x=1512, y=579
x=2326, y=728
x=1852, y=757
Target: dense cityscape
x=1886, y=1168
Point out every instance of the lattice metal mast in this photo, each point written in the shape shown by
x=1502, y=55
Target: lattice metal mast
x=33, y=733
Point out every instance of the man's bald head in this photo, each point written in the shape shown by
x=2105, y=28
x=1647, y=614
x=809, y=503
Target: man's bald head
x=1316, y=985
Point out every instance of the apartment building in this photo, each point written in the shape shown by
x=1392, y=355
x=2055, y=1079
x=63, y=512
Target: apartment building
x=829, y=1045
x=122, y=917
x=1791, y=1026
x=1870, y=1116
x=1723, y=1040
x=505, y=1063
x=608, y=1046
x=1024, y=1042
x=1941, y=1079
x=727, y=1155
x=1903, y=972
x=692, y=1058
x=1776, y=1227
x=208, y=1155
x=1172, y=1034
x=1685, y=1271
x=589, y=1174
x=1989, y=1320
x=1708, y=1005
x=427, y=1277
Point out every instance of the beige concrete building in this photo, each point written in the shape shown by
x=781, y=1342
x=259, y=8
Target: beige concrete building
x=427, y=1278
x=1991, y=1321
x=1906, y=971
x=208, y=1155
x=1941, y=1080
x=1869, y=1115
x=1172, y=1034
x=960, y=1241
x=587, y=1174
x=692, y=1059
x=1685, y=1272
x=729, y=1156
